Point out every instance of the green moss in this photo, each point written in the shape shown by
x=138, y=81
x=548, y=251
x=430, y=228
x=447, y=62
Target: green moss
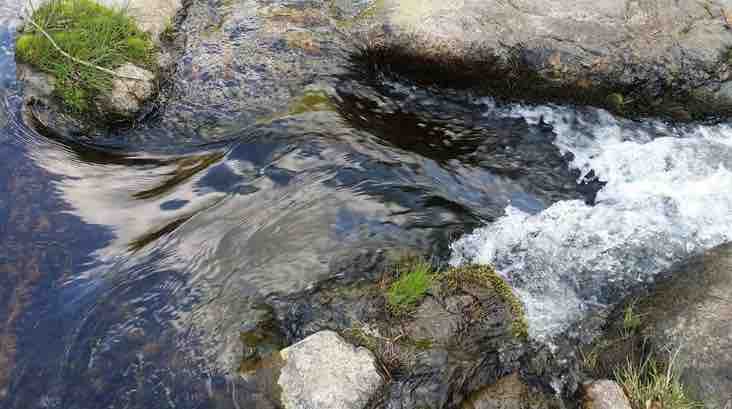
x=616, y=101
x=486, y=276
x=89, y=32
x=412, y=284
x=312, y=101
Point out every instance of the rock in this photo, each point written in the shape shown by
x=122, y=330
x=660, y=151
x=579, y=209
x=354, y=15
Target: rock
x=325, y=372
x=687, y=313
x=128, y=96
x=510, y=392
x=657, y=53
x=604, y=394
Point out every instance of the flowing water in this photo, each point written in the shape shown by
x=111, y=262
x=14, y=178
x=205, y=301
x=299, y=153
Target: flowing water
x=126, y=272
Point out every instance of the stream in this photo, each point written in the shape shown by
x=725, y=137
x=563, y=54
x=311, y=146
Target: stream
x=128, y=269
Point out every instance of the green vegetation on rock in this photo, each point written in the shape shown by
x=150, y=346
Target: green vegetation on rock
x=486, y=276
x=650, y=384
x=411, y=285
x=313, y=100
x=89, y=32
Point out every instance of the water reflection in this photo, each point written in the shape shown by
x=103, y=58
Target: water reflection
x=126, y=272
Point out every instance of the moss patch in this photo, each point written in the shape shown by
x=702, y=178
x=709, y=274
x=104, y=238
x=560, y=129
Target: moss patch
x=487, y=277
x=412, y=284
x=312, y=101
x=89, y=32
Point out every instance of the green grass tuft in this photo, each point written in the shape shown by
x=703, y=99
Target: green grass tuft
x=631, y=320
x=90, y=32
x=410, y=287
x=649, y=384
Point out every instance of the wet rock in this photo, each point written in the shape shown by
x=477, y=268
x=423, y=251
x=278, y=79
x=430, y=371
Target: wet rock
x=604, y=394
x=245, y=61
x=663, y=56
x=510, y=392
x=685, y=318
x=458, y=339
x=129, y=92
x=325, y=372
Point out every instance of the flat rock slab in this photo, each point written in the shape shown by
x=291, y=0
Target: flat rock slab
x=325, y=372
x=657, y=49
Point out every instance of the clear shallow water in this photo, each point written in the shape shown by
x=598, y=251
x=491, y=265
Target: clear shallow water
x=668, y=195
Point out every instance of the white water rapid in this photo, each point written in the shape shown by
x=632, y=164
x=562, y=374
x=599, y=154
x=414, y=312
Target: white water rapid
x=668, y=195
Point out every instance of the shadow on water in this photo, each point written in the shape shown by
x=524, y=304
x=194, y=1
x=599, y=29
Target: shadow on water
x=127, y=274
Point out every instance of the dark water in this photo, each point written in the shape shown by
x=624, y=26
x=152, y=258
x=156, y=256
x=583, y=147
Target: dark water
x=126, y=272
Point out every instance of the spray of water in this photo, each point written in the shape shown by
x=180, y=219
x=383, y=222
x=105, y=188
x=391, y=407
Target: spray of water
x=668, y=195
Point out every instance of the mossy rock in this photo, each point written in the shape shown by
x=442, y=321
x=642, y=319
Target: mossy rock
x=483, y=276
x=103, y=38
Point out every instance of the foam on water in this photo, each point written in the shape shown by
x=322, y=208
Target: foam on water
x=668, y=195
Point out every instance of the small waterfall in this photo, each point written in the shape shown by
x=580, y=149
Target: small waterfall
x=667, y=195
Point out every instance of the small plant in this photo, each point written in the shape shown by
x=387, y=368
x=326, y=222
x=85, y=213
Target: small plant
x=648, y=384
x=80, y=43
x=631, y=320
x=410, y=287
x=169, y=32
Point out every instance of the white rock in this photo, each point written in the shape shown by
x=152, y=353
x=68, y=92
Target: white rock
x=325, y=372
x=128, y=95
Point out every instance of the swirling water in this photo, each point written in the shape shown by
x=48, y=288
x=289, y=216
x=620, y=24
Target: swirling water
x=126, y=272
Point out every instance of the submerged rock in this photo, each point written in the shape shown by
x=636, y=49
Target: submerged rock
x=645, y=57
x=325, y=372
x=604, y=394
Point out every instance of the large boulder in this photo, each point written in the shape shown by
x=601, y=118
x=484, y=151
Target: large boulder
x=325, y=372
x=639, y=57
x=686, y=320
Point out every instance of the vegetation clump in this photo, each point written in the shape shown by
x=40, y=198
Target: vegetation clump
x=90, y=40
x=487, y=277
x=411, y=285
x=648, y=383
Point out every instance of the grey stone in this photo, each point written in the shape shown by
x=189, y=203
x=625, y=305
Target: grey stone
x=325, y=372
x=691, y=313
x=128, y=96
x=604, y=394
x=654, y=48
